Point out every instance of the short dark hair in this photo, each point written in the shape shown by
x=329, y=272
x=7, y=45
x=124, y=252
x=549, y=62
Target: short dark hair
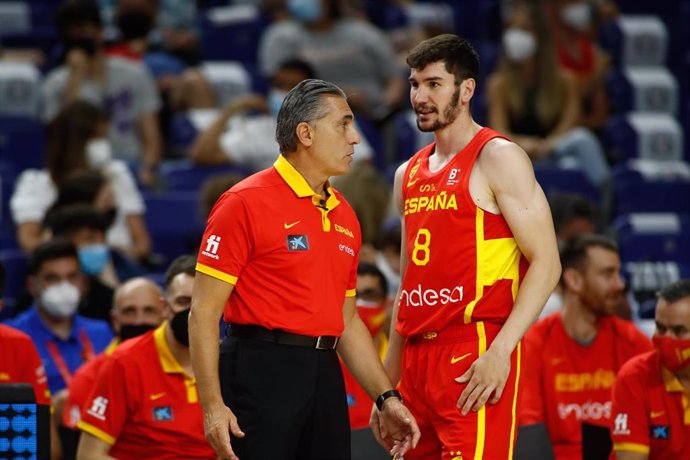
x=574, y=251
x=56, y=248
x=81, y=187
x=304, y=103
x=458, y=55
x=76, y=13
x=300, y=66
x=566, y=207
x=69, y=219
x=675, y=291
x=183, y=264
x=365, y=268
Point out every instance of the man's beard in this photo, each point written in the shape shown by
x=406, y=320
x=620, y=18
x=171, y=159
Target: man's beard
x=449, y=115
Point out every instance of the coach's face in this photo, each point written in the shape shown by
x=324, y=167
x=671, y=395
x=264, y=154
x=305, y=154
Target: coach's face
x=333, y=137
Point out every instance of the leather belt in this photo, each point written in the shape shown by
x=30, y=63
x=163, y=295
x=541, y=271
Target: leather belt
x=278, y=336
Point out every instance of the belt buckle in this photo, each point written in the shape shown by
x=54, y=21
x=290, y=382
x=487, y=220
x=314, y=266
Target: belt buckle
x=320, y=346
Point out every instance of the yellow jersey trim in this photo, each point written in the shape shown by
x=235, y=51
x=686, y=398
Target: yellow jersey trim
x=481, y=413
x=171, y=365
x=631, y=447
x=351, y=293
x=96, y=432
x=480, y=281
x=111, y=346
x=206, y=270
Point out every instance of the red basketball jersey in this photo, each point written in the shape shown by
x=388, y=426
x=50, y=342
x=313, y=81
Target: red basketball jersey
x=463, y=262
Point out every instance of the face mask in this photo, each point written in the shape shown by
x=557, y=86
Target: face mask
x=87, y=45
x=134, y=24
x=129, y=331
x=372, y=314
x=306, y=11
x=98, y=153
x=576, y=15
x=519, y=44
x=60, y=300
x=93, y=258
x=674, y=353
x=180, y=327
x=275, y=101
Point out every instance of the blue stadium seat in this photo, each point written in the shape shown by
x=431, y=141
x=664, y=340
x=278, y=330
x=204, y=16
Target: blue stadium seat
x=649, y=186
x=557, y=180
x=646, y=278
x=15, y=264
x=183, y=176
x=635, y=40
x=8, y=175
x=650, y=136
x=174, y=222
x=231, y=33
x=22, y=142
x=643, y=89
x=20, y=84
x=653, y=237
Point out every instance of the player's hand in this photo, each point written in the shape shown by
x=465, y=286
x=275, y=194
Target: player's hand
x=486, y=376
x=219, y=422
x=394, y=427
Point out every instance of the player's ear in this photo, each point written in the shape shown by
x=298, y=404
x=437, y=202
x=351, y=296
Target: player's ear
x=467, y=88
x=572, y=279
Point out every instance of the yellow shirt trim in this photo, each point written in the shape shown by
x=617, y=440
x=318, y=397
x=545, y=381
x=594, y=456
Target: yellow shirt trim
x=111, y=346
x=171, y=365
x=96, y=432
x=206, y=270
x=631, y=447
x=351, y=293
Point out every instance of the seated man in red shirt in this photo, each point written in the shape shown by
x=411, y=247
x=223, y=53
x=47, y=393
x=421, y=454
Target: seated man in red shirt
x=651, y=413
x=145, y=402
x=572, y=356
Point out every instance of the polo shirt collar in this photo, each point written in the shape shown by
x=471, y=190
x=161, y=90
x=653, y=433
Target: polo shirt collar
x=671, y=382
x=168, y=361
x=299, y=184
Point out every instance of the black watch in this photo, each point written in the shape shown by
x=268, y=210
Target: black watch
x=385, y=395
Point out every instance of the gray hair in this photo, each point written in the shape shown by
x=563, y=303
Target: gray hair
x=302, y=104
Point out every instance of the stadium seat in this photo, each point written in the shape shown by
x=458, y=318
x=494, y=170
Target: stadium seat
x=229, y=79
x=651, y=186
x=653, y=237
x=554, y=179
x=15, y=264
x=646, y=278
x=19, y=89
x=174, y=222
x=22, y=142
x=14, y=17
x=649, y=136
x=643, y=89
x=184, y=176
x=636, y=40
x=231, y=33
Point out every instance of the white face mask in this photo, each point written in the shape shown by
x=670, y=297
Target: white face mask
x=98, y=153
x=576, y=15
x=519, y=44
x=60, y=300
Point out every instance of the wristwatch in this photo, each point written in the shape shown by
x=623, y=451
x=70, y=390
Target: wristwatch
x=385, y=395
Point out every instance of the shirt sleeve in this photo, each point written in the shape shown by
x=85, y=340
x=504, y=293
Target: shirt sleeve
x=105, y=414
x=532, y=400
x=228, y=239
x=629, y=422
x=33, y=194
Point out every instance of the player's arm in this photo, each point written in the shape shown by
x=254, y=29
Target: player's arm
x=511, y=180
x=92, y=448
x=208, y=299
x=359, y=354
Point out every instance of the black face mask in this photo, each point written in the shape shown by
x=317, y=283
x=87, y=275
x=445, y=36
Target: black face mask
x=180, y=327
x=87, y=45
x=134, y=24
x=129, y=331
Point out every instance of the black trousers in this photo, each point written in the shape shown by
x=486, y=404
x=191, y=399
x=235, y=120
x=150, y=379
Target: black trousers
x=289, y=401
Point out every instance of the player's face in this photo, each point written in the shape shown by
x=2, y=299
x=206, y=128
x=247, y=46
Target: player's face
x=434, y=96
x=602, y=285
x=334, y=137
x=673, y=319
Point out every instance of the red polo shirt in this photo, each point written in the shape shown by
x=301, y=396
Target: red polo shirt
x=291, y=256
x=20, y=363
x=145, y=405
x=651, y=410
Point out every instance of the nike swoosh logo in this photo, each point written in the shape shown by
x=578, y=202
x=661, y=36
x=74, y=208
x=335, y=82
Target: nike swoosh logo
x=657, y=414
x=410, y=183
x=157, y=396
x=286, y=225
x=454, y=360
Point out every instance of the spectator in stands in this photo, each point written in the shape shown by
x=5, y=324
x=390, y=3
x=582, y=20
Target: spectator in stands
x=573, y=215
x=105, y=267
x=650, y=397
x=572, y=357
x=572, y=25
x=137, y=308
x=250, y=142
x=21, y=363
x=146, y=394
x=77, y=144
x=349, y=52
x=536, y=103
x=123, y=89
x=87, y=188
x=64, y=339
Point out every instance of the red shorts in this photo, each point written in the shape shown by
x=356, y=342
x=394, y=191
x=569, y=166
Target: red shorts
x=431, y=362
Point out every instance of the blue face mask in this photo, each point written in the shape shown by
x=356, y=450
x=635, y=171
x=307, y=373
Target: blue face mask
x=93, y=258
x=275, y=101
x=306, y=11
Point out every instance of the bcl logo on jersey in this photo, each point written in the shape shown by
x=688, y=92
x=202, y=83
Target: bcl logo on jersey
x=660, y=432
x=163, y=414
x=297, y=243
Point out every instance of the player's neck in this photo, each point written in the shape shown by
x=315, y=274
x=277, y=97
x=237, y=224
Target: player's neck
x=62, y=327
x=454, y=137
x=579, y=322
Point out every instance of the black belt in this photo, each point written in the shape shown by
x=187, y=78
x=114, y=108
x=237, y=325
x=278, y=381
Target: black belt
x=253, y=332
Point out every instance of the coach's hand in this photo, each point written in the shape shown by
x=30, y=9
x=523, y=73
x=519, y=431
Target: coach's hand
x=394, y=427
x=486, y=376
x=219, y=422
